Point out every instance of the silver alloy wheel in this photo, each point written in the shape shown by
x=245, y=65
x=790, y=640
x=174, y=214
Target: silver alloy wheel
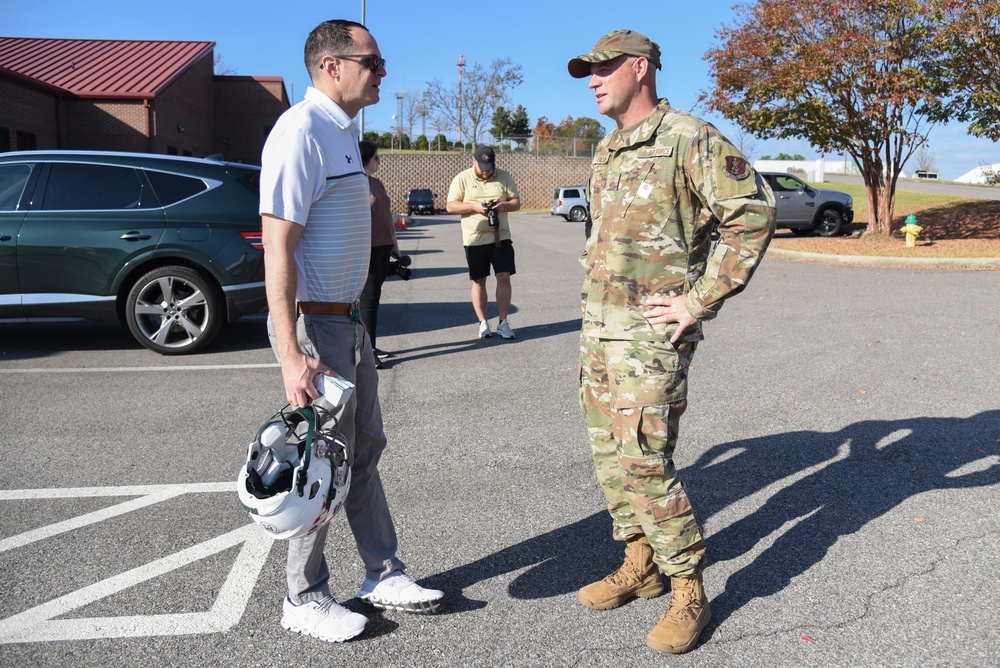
x=173, y=310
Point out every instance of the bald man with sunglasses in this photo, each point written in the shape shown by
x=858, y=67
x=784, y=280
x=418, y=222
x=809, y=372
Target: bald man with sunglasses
x=317, y=231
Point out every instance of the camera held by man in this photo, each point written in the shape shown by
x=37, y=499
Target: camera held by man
x=400, y=267
x=491, y=212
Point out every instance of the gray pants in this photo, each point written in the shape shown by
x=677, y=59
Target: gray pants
x=337, y=341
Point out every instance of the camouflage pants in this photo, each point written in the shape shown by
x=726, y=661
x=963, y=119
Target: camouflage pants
x=633, y=394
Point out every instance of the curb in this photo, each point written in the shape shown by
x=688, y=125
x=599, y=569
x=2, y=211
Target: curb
x=884, y=261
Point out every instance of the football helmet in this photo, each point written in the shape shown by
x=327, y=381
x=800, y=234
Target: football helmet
x=296, y=475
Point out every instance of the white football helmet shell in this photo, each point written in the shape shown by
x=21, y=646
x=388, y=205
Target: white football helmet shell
x=320, y=478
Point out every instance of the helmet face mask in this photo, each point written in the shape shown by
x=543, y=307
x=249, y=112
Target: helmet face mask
x=296, y=476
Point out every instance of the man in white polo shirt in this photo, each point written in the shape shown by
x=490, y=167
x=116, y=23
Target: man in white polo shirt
x=317, y=226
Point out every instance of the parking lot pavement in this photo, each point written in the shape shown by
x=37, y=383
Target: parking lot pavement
x=841, y=448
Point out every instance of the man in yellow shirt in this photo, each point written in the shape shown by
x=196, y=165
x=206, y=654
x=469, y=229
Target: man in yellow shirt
x=484, y=195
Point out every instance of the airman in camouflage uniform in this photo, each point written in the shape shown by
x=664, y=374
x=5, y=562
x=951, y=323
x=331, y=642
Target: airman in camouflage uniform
x=660, y=180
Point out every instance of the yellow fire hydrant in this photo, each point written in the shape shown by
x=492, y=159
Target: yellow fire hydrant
x=911, y=229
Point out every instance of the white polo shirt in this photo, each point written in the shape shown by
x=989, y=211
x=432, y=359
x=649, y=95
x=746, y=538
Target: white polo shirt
x=311, y=174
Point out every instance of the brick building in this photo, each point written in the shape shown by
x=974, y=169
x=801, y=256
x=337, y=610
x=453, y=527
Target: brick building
x=131, y=95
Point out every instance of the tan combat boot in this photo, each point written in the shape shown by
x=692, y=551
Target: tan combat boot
x=638, y=576
x=679, y=627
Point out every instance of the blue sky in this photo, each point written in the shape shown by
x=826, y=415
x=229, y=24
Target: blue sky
x=422, y=40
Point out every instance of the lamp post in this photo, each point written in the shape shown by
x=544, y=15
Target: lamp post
x=461, y=64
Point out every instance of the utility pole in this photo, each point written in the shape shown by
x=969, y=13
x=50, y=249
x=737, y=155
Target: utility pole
x=423, y=113
x=461, y=64
x=399, y=116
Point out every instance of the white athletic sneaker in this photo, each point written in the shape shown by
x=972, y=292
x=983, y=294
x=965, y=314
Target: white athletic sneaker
x=398, y=591
x=325, y=619
x=504, y=330
x=484, y=330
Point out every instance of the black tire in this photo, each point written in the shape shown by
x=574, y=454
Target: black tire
x=830, y=223
x=409, y=211
x=578, y=214
x=174, y=310
x=801, y=231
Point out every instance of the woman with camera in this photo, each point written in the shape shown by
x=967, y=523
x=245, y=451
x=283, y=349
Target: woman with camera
x=384, y=246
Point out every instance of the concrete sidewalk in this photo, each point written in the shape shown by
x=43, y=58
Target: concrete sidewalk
x=878, y=261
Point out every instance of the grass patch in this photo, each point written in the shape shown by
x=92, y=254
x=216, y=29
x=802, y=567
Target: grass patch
x=952, y=227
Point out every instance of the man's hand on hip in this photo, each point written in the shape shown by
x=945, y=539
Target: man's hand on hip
x=662, y=310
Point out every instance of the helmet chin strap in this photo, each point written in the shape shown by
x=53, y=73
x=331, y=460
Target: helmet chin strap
x=312, y=416
x=302, y=471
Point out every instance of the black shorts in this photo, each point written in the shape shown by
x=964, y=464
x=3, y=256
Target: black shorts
x=480, y=258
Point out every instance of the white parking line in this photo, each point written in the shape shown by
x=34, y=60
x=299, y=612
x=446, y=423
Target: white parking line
x=149, y=495
x=119, y=369
x=39, y=623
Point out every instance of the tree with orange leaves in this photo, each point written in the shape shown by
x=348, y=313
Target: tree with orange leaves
x=869, y=78
x=975, y=41
x=543, y=131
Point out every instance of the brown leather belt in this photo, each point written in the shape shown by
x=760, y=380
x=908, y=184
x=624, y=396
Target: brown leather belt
x=327, y=308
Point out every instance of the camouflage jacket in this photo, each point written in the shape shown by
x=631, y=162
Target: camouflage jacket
x=655, y=192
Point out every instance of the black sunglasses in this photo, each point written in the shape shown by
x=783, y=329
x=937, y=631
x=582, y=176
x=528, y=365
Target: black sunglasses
x=373, y=62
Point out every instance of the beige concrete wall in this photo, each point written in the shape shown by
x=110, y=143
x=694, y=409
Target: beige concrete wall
x=536, y=177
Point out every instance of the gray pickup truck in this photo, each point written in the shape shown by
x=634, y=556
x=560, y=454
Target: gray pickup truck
x=804, y=209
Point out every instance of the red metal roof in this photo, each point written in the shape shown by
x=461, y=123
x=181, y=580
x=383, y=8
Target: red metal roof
x=104, y=68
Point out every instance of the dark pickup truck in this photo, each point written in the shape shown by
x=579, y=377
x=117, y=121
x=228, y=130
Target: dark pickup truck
x=420, y=200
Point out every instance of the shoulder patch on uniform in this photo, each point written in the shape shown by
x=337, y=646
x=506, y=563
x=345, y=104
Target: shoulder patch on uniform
x=736, y=167
x=601, y=159
x=660, y=152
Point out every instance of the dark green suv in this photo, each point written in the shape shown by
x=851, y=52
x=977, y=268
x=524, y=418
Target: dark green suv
x=170, y=246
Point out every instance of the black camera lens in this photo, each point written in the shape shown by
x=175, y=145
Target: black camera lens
x=398, y=268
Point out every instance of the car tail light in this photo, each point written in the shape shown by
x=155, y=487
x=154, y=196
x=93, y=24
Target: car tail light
x=560, y=202
x=255, y=239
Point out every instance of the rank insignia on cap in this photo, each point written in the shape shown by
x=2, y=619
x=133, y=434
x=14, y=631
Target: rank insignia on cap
x=736, y=167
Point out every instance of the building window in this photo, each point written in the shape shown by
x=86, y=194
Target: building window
x=187, y=154
x=4, y=140
x=26, y=141
x=171, y=150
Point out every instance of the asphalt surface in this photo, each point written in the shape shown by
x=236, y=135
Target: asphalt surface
x=841, y=448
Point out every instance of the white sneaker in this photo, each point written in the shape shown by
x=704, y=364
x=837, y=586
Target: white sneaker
x=398, y=591
x=325, y=619
x=504, y=330
x=484, y=330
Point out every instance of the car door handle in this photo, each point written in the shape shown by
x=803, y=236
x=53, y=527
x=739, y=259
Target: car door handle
x=5, y=237
x=135, y=236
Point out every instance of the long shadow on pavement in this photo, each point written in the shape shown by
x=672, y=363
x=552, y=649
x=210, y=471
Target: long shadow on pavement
x=448, y=347
x=848, y=479
x=845, y=480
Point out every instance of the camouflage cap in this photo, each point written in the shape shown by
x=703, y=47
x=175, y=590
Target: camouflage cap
x=612, y=45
